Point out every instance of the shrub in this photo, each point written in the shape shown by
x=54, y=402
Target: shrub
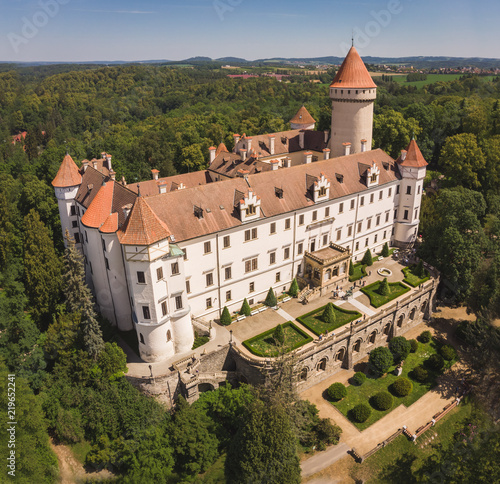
x=420, y=269
x=425, y=337
x=279, y=334
x=351, y=268
x=385, y=250
x=337, y=391
x=399, y=347
x=380, y=360
x=328, y=315
x=402, y=386
x=294, y=288
x=360, y=413
x=382, y=401
x=420, y=374
x=359, y=378
x=383, y=288
x=327, y=432
x=413, y=346
x=435, y=362
x=367, y=258
x=271, y=300
x=448, y=352
x=245, y=308
x=225, y=318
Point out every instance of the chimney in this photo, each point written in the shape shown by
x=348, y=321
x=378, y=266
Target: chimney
x=94, y=164
x=108, y=159
x=236, y=139
x=327, y=134
x=112, y=174
x=212, y=150
x=155, y=174
x=403, y=155
x=326, y=153
x=275, y=165
x=301, y=139
x=363, y=145
x=308, y=155
x=272, y=141
x=249, y=144
x=126, y=210
x=243, y=154
x=162, y=186
x=287, y=162
x=85, y=165
x=103, y=155
x=347, y=148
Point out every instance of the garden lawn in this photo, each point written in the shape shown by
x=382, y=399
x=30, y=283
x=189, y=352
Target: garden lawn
x=411, y=278
x=376, y=300
x=359, y=271
x=313, y=322
x=372, y=385
x=265, y=345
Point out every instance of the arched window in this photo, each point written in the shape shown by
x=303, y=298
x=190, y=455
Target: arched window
x=412, y=314
x=357, y=346
x=303, y=374
x=141, y=338
x=340, y=354
x=169, y=335
x=400, y=320
x=322, y=365
x=424, y=306
x=328, y=275
x=387, y=328
x=372, y=337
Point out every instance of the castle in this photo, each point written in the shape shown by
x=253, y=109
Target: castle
x=296, y=204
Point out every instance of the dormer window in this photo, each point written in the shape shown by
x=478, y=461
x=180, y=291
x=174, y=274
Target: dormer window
x=321, y=188
x=373, y=178
x=372, y=175
x=322, y=191
x=251, y=210
x=249, y=206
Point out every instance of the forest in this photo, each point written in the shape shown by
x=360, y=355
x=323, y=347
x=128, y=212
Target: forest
x=70, y=373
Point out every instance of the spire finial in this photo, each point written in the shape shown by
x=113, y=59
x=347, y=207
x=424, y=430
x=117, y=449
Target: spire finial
x=138, y=190
x=352, y=38
x=413, y=135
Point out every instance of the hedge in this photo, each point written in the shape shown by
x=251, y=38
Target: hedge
x=319, y=311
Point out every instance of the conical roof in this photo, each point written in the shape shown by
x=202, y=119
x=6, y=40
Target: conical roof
x=143, y=227
x=101, y=207
x=68, y=174
x=414, y=157
x=303, y=117
x=221, y=149
x=353, y=73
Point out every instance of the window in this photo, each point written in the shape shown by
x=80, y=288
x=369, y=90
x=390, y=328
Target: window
x=322, y=192
x=373, y=178
x=387, y=216
x=357, y=246
x=360, y=226
x=390, y=192
x=272, y=228
x=226, y=241
x=227, y=273
x=371, y=198
x=141, y=279
x=188, y=286
x=145, y=312
x=286, y=254
x=418, y=190
x=159, y=273
x=169, y=335
x=251, y=265
x=209, y=302
x=287, y=224
x=164, y=308
x=366, y=242
x=380, y=194
x=362, y=201
x=385, y=233
x=375, y=239
x=175, y=268
x=272, y=258
x=339, y=234
x=353, y=202
x=341, y=208
x=327, y=211
x=369, y=224
x=397, y=190
x=278, y=276
x=325, y=239
x=251, y=210
x=377, y=220
x=86, y=238
x=74, y=224
x=209, y=279
x=185, y=254
x=416, y=212
x=315, y=215
x=395, y=214
x=207, y=247
x=405, y=217
x=251, y=288
x=106, y=263
x=349, y=231
x=300, y=248
x=77, y=237
x=254, y=233
x=301, y=219
x=141, y=338
x=178, y=302
x=73, y=210
x=250, y=234
x=408, y=190
x=228, y=296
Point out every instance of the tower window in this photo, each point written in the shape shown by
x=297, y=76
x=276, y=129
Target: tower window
x=178, y=302
x=406, y=215
x=141, y=279
x=408, y=190
x=164, y=308
x=74, y=224
x=145, y=312
x=73, y=210
x=141, y=338
x=159, y=273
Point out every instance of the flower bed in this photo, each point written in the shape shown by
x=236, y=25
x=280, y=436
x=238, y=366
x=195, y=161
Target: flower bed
x=313, y=322
x=264, y=344
x=412, y=279
x=376, y=300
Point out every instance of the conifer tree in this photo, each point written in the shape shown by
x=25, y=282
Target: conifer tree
x=385, y=250
x=367, y=258
x=245, y=308
x=225, y=318
x=271, y=300
x=294, y=288
x=79, y=299
x=328, y=315
x=279, y=334
x=384, y=289
x=351, y=268
x=420, y=270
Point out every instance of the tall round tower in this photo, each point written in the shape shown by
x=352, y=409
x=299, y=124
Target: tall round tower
x=353, y=93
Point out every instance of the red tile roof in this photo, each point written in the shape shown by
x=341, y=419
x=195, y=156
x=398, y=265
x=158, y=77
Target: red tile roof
x=68, y=174
x=303, y=117
x=143, y=227
x=110, y=226
x=221, y=149
x=353, y=73
x=101, y=206
x=414, y=157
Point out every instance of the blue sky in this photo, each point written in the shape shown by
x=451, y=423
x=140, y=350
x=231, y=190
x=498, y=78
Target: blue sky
x=84, y=30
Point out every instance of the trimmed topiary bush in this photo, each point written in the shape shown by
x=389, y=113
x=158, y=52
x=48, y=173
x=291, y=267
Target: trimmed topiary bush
x=399, y=347
x=359, y=378
x=420, y=269
x=402, y=386
x=337, y=391
x=420, y=374
x=328, y=315
x=384, y=289
x=360, y=413
x=271, y=300
x=351, y=268
x=279, y=334
x=380, y=360
x=367, y=258
x=448, y=352
x=382, y=401
x=435, y=362
x=225, y=318
x=413, y=346
x=385, y=250
x=245, y=308
x=425, y=337
x=294, y=288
